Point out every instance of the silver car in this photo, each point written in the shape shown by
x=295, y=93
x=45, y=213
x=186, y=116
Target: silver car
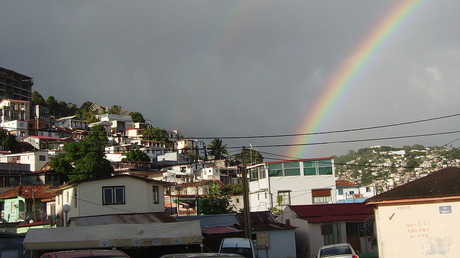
x=343, y=250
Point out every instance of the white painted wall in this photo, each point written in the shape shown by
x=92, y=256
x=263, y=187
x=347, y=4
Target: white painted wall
x=300, y=187
x=31, y=158
x=88, y=201
x=419, y=230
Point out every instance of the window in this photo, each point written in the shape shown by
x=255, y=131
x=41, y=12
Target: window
x=275, y=169
x=254, y=174
x=75, y=198
x=156, y=194
x=42, y=158
x=321, y=195
x=261, y=173
x=331, y=233
x=317, y=167
x=292, y=169
x=284, y=198
x=340, y=191
x=284, y=169
x=309, y=168
x=113, y=195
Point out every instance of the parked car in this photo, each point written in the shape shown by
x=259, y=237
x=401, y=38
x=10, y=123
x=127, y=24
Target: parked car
x=241, y=246
x=86, y=253
x=342, y=250
x=201, y=255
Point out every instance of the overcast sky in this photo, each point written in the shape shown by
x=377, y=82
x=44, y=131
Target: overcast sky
x=215, y=68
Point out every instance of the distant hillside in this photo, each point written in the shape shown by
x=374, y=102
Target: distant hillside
x=387, y=167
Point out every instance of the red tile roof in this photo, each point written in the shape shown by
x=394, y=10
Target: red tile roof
x=344, y=183
x=28, y=192
x=333, y=212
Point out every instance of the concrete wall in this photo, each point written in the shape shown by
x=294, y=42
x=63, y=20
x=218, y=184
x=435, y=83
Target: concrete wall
x=282, y=244
x=419, y=230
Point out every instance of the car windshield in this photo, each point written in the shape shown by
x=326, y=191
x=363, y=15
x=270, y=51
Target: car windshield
x=335, y=251
x=246, y=252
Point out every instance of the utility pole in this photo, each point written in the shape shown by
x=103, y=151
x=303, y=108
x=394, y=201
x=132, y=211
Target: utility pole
x=246, y=210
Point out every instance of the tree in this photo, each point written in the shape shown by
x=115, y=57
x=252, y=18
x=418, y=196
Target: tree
x=8, y=141
x=86, y=113
x=252, y=156
x=217, y=202
x=52, y=104
x=84, y=159
x=137, y=117
x=37, y=99
x=136, y=155
x=156, y=134
x=217, y=149
x=115, y=109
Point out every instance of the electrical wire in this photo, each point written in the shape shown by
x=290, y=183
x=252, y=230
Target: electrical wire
x=328, y=132
x=354, y=141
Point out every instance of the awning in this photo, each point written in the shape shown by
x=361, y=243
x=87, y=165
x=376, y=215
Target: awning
x=114, y=235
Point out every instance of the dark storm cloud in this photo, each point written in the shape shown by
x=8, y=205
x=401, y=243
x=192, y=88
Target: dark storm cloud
x=224, y=68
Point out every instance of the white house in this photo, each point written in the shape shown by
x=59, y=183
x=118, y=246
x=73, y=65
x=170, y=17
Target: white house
x=197, y=148
x=14, y=115
x=112, y=195
x=43, y=142
x=323, y=224
x=173, y=158
x=119, y=123
x=71, y=122
x=422, y=214
x=297, y=182
x=350, y=192
x=36, y=159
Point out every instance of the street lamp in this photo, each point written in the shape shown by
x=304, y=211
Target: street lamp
x=66, y=209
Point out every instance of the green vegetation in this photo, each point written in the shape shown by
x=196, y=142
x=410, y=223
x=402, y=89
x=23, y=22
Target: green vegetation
x=251, y=156
x=234, y=189
x=84, y=159
x=8, y=141
x=60, y=109
x=156, y=134
x=218, y=149
x=137, y=117
x=217, y=202
x=136, y=155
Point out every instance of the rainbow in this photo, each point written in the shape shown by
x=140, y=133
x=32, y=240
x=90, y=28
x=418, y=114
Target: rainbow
x=343, y=78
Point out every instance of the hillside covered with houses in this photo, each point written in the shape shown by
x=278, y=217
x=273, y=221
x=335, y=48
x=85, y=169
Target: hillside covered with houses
x=387, y=167
x=67, y=172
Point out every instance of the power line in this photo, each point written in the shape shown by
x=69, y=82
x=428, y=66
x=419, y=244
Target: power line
x=354, y=141
x=328, y=132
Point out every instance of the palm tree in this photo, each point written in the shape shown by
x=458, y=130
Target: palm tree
x=217, y=149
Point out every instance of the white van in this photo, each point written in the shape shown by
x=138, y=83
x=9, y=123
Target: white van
x=241, y=246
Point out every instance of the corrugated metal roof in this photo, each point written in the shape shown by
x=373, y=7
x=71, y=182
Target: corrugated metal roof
x=129, y=218
x=263, y=220
x=442, y=183
x=219, y=230
x=218, y=220
x=332, y=212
